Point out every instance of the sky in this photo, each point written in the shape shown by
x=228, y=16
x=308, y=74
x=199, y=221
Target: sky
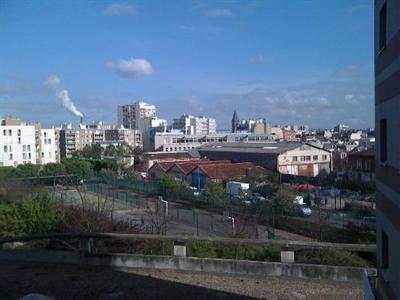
x=304, y=62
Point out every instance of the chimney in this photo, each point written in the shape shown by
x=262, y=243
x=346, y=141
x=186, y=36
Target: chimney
x=81, y=120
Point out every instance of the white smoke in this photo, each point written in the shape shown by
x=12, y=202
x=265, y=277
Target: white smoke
x=54, y=82
x=68, y=104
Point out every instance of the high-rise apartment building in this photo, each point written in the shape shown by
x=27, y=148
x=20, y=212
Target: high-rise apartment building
x=141, y=116
x=191, y=125
x=387, y=112
x=134, y=115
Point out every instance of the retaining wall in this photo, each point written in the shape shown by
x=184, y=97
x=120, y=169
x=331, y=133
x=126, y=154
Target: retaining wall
x=305, y=271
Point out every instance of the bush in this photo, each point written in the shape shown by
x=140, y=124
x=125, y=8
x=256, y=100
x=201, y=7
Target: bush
x=227, y=251
x=32, y=216
x=6, y=171
x=82, y=169
x=333, y=258
x=167, y=185
x=27, y=170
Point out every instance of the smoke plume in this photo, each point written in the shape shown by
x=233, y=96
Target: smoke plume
x=68, y=104
x=54, y=82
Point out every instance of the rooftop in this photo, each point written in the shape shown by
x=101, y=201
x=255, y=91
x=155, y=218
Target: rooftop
x=272, y=148
x=93, y=282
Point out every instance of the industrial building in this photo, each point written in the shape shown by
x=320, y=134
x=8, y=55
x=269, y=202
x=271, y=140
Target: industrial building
x=178, y=141
x=291, y=158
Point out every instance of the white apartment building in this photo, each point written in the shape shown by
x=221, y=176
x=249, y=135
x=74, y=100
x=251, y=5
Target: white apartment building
x=48, y=147
x=189, y=124
x=75, y=139
x=23, y=143
x=132, y=115
x=17, y=145
x=141, y=116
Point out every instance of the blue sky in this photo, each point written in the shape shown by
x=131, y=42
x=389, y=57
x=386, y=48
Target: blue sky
x=292, y=62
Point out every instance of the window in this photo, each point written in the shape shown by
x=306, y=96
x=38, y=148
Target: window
x=315, y=157
x=324, y=157
x=4, y=132
x=29, y=155
x=9, y=148
x=29, y=147
x=359, y=164
x=11, y=157
x=42, y=154
x=382, y=27
x=308, y=157
x=19, y=132
x=383, y=140
x=385, y=250
x=23, y=155
x=19, y=140
x=367, y=164
x=9, y=132
x=302, y=158
x=24, y=148
x=5, y=148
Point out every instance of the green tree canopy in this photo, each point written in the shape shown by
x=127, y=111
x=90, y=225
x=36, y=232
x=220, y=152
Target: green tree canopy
x=167, y=185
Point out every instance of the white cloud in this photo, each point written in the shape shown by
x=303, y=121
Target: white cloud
x=120, y=9
x=351, y=99
x=259, y=60
x=218, y=12
x=132, y=68
x=53, y=81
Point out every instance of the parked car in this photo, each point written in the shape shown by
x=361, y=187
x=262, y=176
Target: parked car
x=237, y=189
x=303, y=209
x=256, y=197
x=195, y=191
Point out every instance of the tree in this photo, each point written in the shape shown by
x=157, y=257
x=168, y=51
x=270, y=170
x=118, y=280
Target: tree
x=26, y=170
x=90, y=151
x=52, y=169
x=137, y=154
x=284, y=198
x=107, y=173
x=80, y=168
x=31, y=216
x=167, y=185
x=110, y=150
x=215, y=193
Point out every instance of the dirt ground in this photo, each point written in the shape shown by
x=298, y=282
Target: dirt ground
x=88, y=282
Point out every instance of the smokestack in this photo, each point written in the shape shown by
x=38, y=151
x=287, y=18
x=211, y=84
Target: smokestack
x=81, y=120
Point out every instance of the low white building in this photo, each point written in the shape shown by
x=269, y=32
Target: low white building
x=17, y=144
x=178, y=141
x=189, y=124
x=48, y=147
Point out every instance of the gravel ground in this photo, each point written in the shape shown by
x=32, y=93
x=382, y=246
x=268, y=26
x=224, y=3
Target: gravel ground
x=88, y=282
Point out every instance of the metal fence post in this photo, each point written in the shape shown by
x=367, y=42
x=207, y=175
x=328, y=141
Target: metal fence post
x=86, y=246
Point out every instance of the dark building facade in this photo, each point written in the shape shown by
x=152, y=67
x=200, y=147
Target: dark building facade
x=387, y=118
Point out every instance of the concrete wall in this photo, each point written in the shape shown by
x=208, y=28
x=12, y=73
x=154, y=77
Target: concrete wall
x=189, y=264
